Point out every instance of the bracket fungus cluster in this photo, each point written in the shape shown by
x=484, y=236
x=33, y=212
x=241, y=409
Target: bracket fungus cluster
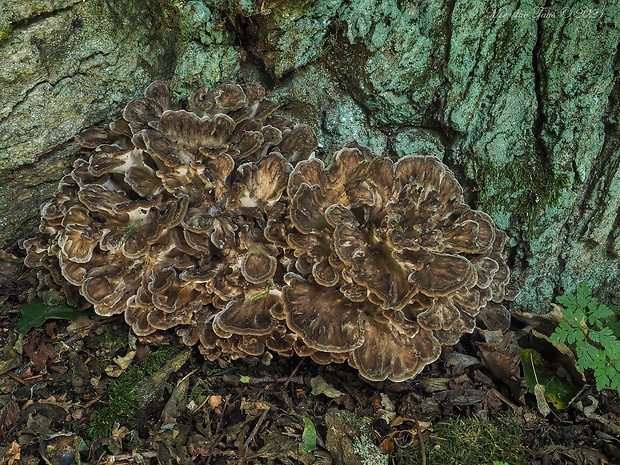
x=214, y=218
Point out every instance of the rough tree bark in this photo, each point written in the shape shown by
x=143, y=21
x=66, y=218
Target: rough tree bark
x=520, y=99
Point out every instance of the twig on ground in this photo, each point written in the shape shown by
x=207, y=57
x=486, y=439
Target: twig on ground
x=422, y=447
x=129, y=457
x=246, y=445
x=16, y=378
x=91, y=402
x=293, y=374
x=217, y=434
x=234, y=380
x=504, y=399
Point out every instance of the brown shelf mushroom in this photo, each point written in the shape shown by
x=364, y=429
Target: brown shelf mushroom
x=389, y=258
x=212, y=217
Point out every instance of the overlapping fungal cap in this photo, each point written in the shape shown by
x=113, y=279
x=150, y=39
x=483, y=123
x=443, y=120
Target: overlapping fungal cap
x=390, y=263
x=163, y=218
x=210, y=217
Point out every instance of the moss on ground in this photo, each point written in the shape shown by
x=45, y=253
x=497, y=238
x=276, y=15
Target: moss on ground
x=470, y=441
x=123, y=398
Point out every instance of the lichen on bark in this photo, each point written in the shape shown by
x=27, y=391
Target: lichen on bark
x=520, y=100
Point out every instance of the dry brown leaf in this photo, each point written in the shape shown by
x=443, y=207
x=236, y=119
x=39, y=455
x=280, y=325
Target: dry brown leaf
x=13, y=455
x=503, y=359
x=39, y=351
x=248, y=406
x=124, y=362
x=214, y=404
x=541, y=402
x=9, y=412
x=387, y=446
x=60, y=402
x=424, y=425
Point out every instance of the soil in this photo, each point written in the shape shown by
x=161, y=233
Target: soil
x=88, y=392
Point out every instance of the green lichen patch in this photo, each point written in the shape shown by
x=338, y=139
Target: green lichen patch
x=199, y=64
x=5, y=30
x=516, y=194
x=417, y=140
x=392, y=57
x=282, y=9
x=197, y=21
x=350, y=439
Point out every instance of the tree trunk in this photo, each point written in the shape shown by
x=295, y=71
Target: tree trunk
x=520, y=101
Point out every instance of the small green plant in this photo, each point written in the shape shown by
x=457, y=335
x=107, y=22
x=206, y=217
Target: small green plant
x=129, y=230
x=592, y=329
x=200, y=391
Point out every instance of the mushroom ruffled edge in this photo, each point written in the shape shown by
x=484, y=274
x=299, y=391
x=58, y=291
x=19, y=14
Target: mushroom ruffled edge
x=212, y=217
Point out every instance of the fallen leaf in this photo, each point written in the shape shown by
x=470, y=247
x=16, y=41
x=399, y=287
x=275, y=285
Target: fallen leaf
x=308, y=437
x=458, y=362
x=559, y=391
x=175, y=406
x=276, y=446
x=13, y=455
x=541, y=402
x=39, y=351
x=424, y=425
x=36, y=313
x=9, y=412
x=251, y=407
x=387, y=446
x=214, y=403
x=320, y=386
x=79, y=323
x=386, y=402
x=545, y=323
x=60, y=402
x=58, y=448
x=460, y=397
x=503, y=359
x=197, y=445
x=124, y=362
x=51, y=329
x=10, y=357
x=113, y=371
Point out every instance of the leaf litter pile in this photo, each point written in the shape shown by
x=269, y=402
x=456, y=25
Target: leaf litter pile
x=84, y=390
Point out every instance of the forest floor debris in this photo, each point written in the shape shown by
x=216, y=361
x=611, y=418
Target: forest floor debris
x=91, y=393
